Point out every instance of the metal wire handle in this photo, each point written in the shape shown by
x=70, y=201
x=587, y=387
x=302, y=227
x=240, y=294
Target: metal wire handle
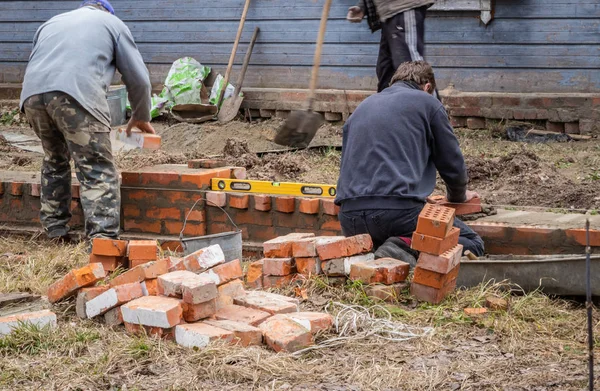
x=213, y=204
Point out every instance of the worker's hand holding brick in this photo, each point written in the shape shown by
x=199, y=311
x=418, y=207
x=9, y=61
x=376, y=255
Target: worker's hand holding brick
x=144, y=126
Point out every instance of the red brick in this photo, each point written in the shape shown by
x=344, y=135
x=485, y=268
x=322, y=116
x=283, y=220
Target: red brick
x=195, y=215
x=267, y=302
x=113, y=317
x=435, y=220
x=496, y=303
x=558, y=127
x=191, y=228
x=476, y=123
x=281, y=247
x=308, y=266
x=314, y=321
x=572, y=127
x=225, y=272
x=332, y=225
x=153, y=311
x=238, y=313
x=283, y=334
x=138, y=262
x=204, y=259
x=304, y=248
x=206, y=163
x=239, y=201
x=441, y=263
x=433, y=279
x=16, y=188
x=86, y=294
x=113, y=297
x=252, y=217
x=142, y=226
x=244, y=334
x=458, y=122
x=146, y=271
x=262, y=202
x=340, y=267
x=380, y=271
x=109, y=247
x=164, y=213
x=142, y=250
x=277, y=281
x=466, y=208
x=130, y=211
x=170, y=284
x=109, y=263
x=285, y=204
x=175, y=263
x=75, y=279
x=198, y=290
x=309, y=206
x=199, y=335
x=195, y=312
x=389, y=293
x=255, y=274
x=339, y=247
x=216, y=198
x=329, y=207
x=433, y=245
x=429, y=294
x=278, y=266
x=43, y=318
x=202, y=179
x=150, y=287
x=228, y=292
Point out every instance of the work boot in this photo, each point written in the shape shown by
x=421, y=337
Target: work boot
x=397, y=248
x=59, y=234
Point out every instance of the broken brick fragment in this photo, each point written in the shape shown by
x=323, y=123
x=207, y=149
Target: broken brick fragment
x=169, y=284
x=284, y=334
x=308, y=266
x=204, y=259
x=229, y=291
x=244, y=334
x=74, y=280
x=254, y=274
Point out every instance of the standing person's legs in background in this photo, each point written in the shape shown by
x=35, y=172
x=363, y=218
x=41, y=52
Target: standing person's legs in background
x=88, y=144
x=402, y=40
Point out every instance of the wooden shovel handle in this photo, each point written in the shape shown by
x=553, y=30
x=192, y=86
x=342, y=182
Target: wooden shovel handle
x=317, y=60
x=233, y=52
x=240, y=80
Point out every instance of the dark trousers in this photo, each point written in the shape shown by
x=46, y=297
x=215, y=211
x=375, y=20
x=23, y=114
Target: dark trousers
x=402, y=40
x=382, y=224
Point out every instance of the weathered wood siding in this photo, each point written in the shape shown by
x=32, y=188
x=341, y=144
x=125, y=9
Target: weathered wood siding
x=529, y=46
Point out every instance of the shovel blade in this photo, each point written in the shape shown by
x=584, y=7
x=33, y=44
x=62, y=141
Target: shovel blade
x=230, y=108
x=299, y=129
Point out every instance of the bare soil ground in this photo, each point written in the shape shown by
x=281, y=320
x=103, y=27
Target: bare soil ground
x=552, y=175
x=538, y=344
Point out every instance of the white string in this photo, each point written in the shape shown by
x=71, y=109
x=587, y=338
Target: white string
x=355, y=322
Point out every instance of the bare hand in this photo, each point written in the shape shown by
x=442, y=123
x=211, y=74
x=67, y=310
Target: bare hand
x=436, y=199
x=355, y=14
x=145, y=127
x=471, y=195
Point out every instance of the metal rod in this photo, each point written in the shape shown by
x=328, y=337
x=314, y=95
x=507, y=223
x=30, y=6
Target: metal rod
x=588, y=304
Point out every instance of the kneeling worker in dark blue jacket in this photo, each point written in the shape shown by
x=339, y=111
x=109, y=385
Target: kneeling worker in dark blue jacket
x=392, y=146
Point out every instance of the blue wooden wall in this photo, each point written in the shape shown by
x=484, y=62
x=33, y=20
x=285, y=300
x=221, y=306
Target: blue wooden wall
x=530, y=45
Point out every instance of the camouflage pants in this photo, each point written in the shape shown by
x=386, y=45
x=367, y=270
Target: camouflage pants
x=68, y=132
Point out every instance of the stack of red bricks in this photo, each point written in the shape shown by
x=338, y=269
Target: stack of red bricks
x=439, y=261
x=308, y=255
x=195, y=299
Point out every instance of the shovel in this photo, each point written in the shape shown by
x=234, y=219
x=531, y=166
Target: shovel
x=231, y=107
x=233, y=51
x=301, y=126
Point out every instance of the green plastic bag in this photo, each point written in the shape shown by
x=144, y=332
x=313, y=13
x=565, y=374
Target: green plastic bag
x=184, y=82
x=216, y=90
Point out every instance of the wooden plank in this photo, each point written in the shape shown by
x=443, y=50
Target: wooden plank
x=16, y=297
x=343, y=55
x=363, y=78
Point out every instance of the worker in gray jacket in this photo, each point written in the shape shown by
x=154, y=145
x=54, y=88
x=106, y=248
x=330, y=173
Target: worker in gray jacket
x=402, y=25
x=72, y=64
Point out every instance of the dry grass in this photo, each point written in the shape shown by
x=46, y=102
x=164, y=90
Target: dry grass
x=538, y=344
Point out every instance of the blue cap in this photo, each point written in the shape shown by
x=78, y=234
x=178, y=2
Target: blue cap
x=103, y=3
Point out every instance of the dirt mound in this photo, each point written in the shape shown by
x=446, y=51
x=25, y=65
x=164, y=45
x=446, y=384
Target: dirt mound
x=521, y=178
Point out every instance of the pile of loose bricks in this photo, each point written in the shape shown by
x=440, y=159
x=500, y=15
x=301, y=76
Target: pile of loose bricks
x=194, y=300
x=439, y=261
x=304, y=254
x=199, y=298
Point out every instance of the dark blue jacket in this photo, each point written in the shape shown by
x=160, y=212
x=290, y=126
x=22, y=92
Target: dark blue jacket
x=392, y=145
